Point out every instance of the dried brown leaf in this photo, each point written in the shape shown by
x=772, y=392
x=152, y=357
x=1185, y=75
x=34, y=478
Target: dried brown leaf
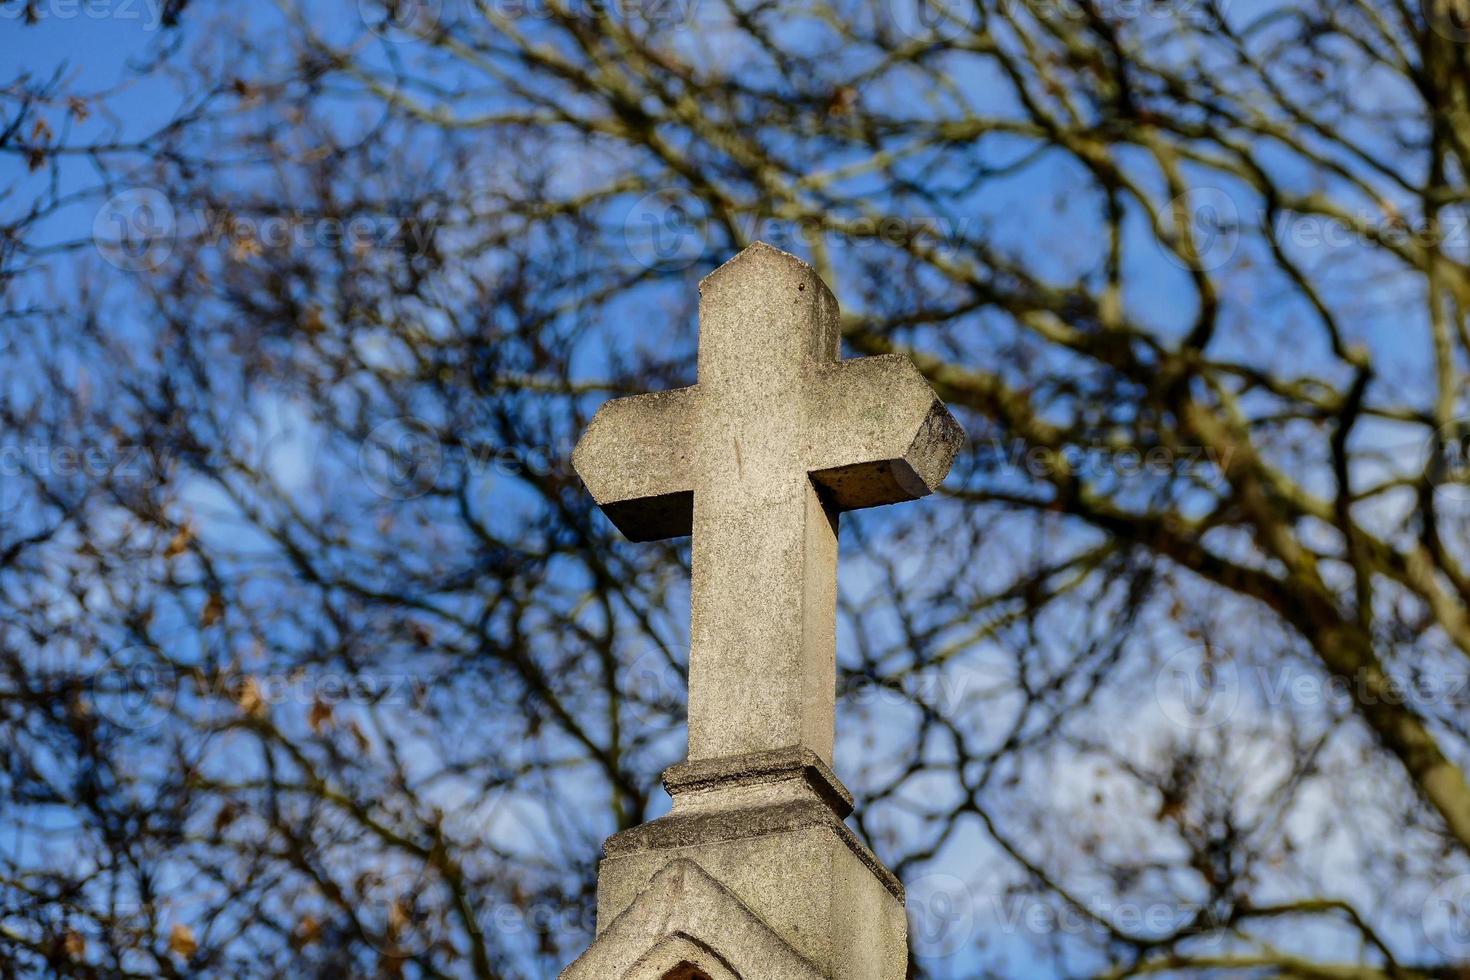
x=181, y=941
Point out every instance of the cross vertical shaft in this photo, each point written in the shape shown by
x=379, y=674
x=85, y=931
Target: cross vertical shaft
x=762, y=667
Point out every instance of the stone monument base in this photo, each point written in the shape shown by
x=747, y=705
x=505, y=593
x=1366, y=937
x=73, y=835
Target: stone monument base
x=752, y=876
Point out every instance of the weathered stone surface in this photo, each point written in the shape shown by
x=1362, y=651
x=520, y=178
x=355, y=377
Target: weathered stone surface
x=758, y=459
x=754, y=874
x=691, y=781
x=804, y=884
x=636, y=459
x=681, y=917
x=748, y=796
x=767, y=826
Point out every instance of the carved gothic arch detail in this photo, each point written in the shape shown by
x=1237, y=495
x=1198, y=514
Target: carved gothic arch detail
x=685, y=925
x=681, y=957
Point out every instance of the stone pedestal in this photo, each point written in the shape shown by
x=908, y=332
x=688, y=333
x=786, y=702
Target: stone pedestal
x=754, y=874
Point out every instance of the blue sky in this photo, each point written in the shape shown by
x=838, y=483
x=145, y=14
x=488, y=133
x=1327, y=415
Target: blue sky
x=97, y=51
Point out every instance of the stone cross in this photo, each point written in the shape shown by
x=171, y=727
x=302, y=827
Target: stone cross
x=757, y=460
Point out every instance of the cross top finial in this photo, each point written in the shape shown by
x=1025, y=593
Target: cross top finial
x=757, y=459
x=764, y=339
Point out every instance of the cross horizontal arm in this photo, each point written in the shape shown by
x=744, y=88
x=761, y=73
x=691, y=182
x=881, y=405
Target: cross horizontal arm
x=878, y=433
x=636, y=460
